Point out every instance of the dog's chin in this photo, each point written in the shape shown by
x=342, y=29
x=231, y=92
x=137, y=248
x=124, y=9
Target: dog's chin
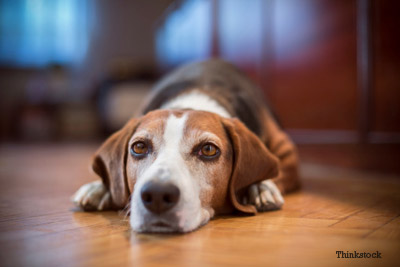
x=167, y=224
x=161, y=226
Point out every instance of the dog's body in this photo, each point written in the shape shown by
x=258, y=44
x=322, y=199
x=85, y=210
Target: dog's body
x=205, y=144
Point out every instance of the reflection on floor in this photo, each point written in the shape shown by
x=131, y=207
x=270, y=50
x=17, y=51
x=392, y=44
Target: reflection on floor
x=338, y=209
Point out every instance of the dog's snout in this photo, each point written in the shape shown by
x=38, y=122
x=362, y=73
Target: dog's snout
x=158, y=197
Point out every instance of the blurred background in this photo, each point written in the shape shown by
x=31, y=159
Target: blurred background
x=76, y=70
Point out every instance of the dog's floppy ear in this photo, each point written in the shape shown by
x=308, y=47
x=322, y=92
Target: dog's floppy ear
x=252, y=162
x=109, y=162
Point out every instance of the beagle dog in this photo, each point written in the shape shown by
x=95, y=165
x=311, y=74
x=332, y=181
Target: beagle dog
x=205, y=144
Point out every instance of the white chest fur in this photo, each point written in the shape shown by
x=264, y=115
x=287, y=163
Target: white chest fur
x=198, y=101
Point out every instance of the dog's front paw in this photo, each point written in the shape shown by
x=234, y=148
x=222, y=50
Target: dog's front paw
x=92, y=196
x=265, y=196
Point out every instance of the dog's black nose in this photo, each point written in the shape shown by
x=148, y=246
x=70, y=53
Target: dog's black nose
x=158, y=197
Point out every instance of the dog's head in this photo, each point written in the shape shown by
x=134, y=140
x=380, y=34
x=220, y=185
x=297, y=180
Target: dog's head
x=180, y=167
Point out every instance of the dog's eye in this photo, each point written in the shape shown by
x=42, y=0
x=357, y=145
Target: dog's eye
x=139, y=149
x=208, y=151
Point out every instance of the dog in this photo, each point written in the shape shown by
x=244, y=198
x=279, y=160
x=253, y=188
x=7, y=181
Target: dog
x=205, y=144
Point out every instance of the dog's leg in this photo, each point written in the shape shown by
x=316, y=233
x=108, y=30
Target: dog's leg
x=288, y=178
x=93, y=196
x=280, y=144
x=265, y=196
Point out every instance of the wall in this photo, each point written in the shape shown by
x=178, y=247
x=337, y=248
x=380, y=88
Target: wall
x=330, y=69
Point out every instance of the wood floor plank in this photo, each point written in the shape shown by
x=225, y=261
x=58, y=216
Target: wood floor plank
x=373, y=218
x=389, y=231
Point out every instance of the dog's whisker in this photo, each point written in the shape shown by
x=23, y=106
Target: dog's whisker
x=126, y=210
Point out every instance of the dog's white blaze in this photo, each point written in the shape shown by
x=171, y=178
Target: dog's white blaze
x=189, y=206
x=170, y=165
x=198, y=101
x=173, y=134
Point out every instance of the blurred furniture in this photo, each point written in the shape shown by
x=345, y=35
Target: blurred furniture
x=121, y=95
x=45, y=106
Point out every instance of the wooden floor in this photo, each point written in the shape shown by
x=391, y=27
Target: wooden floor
x=338, y=209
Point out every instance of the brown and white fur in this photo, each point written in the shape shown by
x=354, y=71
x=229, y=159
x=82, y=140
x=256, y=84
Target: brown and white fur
x=207, y=102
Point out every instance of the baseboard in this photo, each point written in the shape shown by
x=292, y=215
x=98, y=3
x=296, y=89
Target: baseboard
x=323, y=136
x=303, y=136
x=383, y=138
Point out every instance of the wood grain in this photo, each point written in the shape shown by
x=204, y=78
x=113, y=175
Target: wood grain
x=337, y=209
